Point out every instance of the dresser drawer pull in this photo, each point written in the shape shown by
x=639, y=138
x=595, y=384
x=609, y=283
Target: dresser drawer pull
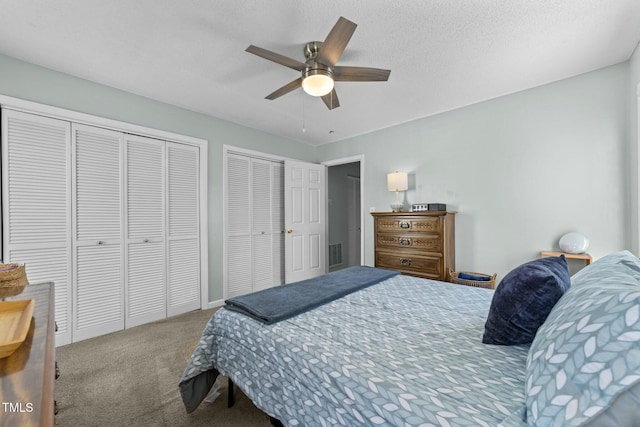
x=405, y=241
x=405, y=224
x=405, y=261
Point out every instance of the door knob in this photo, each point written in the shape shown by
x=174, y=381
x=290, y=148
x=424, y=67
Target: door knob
x=289, y=230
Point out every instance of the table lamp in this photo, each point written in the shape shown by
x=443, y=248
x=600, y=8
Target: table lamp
x=397, y=181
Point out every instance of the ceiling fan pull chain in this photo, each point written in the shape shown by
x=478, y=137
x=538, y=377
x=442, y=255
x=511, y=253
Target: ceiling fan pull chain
x=304, y=129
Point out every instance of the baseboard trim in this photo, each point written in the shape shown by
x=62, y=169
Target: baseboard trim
x=215, y=304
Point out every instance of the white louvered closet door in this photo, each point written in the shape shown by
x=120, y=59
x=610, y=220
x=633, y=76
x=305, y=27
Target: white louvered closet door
x=277, y=222
x=145, y=286
x=37, y=204
x=183, y=228
x=261, y=234
x=267, y=224
x=255, y=224
x=239, y=278
x=98, y=260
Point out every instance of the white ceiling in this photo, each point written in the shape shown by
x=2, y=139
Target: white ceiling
x=443, y=54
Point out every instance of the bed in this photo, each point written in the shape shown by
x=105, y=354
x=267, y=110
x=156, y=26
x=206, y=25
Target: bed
x=408, y=351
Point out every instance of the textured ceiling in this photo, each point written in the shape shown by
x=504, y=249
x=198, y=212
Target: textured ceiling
x=443, y=54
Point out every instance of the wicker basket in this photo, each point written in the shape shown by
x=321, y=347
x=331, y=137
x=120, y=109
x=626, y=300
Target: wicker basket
x=488, y=284
x=12, y=276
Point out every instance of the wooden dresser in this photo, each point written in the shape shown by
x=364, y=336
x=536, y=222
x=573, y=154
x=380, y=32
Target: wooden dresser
x=27, y=376
x=416, y=243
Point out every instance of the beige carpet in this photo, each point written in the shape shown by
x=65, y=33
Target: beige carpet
x=130, y=378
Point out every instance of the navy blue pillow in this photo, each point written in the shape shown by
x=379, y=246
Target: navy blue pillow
x=523, y=299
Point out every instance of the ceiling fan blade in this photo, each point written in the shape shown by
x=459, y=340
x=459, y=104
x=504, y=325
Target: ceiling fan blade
x=285, y=89
x=360, y=74
x=331, y=100
x=336, y=42
x=276, y=57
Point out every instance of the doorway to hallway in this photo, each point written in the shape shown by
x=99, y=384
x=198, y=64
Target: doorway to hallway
x=344, y=213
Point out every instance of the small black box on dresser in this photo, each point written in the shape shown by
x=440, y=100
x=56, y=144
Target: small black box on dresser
x=424, y=207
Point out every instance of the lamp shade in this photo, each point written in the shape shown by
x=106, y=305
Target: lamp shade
x=397, y=181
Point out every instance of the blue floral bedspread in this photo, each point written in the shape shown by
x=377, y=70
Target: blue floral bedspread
x=404, y=352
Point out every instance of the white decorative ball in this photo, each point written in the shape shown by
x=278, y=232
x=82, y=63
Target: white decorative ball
x=574, y=243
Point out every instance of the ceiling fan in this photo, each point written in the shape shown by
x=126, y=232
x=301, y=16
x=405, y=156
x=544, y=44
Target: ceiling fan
x=319, y=71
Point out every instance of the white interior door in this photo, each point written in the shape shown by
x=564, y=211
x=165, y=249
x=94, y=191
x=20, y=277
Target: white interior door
x=145, y=274
x=254, y=224
x=98, y=297
x=305, y=220
x=36, y=205
x=277, y=222
x=183, y=228
x=238, y=274
x=65, y=210
x=266, y=223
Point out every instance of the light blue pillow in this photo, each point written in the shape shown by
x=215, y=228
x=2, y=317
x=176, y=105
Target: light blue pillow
x=583, y=366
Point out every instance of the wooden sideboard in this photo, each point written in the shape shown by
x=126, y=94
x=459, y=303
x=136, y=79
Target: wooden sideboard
x=416, y=243
x=27, y=376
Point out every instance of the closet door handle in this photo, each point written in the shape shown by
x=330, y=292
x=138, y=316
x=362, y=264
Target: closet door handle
x=145, y=241
x=100, y=243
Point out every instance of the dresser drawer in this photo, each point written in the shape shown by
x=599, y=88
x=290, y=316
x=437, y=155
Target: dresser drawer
x=409, y=225
x=425, y=242
x=411, y=263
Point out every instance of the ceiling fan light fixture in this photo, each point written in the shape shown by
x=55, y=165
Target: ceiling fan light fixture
x=319, y=68
x=317, y=82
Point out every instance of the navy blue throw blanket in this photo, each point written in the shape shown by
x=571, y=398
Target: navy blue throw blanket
x=283, y=302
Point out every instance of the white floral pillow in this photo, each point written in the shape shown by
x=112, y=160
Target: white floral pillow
x=587, y=353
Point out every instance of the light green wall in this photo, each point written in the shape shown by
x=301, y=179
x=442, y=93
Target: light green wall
x=634, y=153
x=25, y=81
x=521, y=170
